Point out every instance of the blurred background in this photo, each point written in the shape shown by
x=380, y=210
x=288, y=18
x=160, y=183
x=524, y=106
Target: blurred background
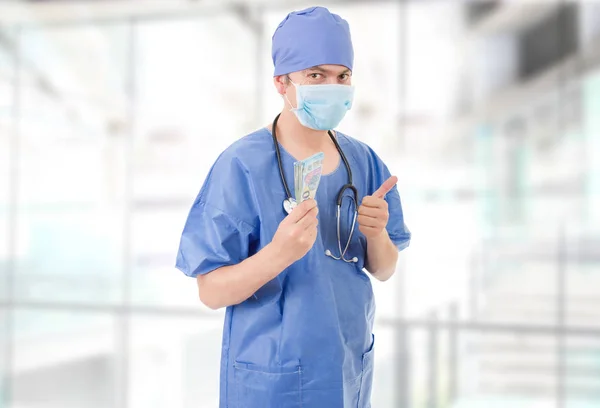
x=112, y=112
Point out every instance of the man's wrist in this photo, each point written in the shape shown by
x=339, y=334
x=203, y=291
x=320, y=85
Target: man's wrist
x=381, y=238
x=275, y=258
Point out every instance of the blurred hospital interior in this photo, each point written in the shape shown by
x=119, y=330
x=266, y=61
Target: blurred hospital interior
x=112, y=112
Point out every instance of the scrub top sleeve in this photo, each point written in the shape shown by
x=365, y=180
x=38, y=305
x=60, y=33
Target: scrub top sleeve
x=396, y=227
x=218, y=230
x=212, y=239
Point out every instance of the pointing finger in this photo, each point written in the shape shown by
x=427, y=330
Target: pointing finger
x=386, y=187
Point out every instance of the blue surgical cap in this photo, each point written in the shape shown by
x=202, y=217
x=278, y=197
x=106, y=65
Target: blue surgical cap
x=311, y=37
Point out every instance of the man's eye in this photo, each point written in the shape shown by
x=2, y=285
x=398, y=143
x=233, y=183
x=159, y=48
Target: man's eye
x=315, y=76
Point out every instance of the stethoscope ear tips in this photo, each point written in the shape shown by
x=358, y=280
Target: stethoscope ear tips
x=355, y=259
x=327, y=252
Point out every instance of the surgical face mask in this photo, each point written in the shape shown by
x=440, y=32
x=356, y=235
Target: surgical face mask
x=322, y=107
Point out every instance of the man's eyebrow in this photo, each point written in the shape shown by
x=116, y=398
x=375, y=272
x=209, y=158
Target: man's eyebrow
x=317, y=68
x=325, y=71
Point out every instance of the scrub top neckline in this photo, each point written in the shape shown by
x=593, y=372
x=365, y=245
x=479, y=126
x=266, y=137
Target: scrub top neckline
x=331, y=173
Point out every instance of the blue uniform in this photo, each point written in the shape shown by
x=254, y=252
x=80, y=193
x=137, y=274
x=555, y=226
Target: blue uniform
x=305, y=338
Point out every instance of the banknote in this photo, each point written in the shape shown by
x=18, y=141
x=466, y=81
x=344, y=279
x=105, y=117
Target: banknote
x=307, y=175
x=297, y=180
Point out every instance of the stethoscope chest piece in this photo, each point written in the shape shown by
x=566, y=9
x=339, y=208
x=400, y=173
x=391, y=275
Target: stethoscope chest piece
x=289, y=204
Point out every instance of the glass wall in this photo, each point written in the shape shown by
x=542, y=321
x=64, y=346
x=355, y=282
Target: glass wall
x=7, y=139
x=71, y=195
x=174, y=361
x=64, y=359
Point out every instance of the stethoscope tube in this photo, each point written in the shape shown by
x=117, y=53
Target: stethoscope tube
x=343, y=253
x=279, y=163
x=289, y=203
x=340, y=197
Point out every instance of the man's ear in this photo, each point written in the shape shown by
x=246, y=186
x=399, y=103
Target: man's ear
x=281, y=83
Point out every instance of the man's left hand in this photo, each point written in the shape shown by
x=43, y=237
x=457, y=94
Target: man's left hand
x=373, y=212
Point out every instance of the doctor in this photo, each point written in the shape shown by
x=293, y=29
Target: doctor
x=299, y=318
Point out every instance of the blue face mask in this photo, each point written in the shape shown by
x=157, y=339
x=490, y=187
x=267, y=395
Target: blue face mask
x=322, y=107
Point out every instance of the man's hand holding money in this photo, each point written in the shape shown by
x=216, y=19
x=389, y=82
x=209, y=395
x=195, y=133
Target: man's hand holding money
x=297, y=232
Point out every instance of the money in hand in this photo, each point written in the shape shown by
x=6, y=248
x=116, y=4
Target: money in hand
x=307, y=175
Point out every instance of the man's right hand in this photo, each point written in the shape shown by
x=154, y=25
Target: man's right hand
x=297, y=233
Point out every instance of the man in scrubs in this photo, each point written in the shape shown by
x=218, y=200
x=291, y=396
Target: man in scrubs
x=298, y=323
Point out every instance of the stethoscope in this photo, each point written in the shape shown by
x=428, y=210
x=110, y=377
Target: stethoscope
x=289, y=203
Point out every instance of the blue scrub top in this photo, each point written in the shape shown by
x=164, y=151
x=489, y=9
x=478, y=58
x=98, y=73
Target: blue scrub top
x=305, y=338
